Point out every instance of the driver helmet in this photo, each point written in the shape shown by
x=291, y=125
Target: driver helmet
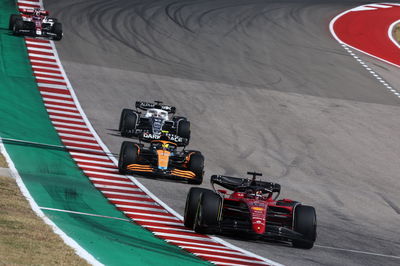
x=36, y=14
x=259, y=193
x=250, y=192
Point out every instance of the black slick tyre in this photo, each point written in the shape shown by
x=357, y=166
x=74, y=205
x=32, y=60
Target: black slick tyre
x=192, y=202
x=305, y=223
x=57, y=30
x=208, y=213
x=124, y=112
x=127, y=155
x=183, y=129
x=128, y=125
x=196, y=165
x=12, y=20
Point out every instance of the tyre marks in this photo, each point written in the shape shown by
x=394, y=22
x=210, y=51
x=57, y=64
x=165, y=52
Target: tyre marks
x=92, y=157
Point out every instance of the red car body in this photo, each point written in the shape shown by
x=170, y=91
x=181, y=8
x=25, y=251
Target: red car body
x=251, y=209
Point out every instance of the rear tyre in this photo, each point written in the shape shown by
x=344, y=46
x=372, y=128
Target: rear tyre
x=12, y=20
x=128, y=155
x=305, y=223
x=128, y=126
x=57, y=29
x=192, y=202
x=196, y=165
x=208, y=213
x=184, y=129
x=124, y=112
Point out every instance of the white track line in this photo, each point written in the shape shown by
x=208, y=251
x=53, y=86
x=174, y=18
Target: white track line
x=134, y=201
x=152, y=215
x=85, y=162
x=84, y=213
x=67, y=124
x=359, y=251
x=53, y=106
x=90, y=156
x=94, y=179
x=130, y=207
x=89, y=172
x=75, y=136
x=117, y=187
x=38, y=43
x=125, y=194
x=49, y=94
x=160, y=222
x=166, y=227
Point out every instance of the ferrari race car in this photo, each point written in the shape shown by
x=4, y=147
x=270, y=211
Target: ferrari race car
x=162, y=157
x=153, y=120
x=35, y=22
x=251, y=209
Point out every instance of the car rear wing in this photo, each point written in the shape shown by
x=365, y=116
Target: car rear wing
x=157, y=104
x=29, y=11
x=232, y=183
x=179, y=141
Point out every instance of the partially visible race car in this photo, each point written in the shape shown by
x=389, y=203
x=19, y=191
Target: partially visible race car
x=252, y=209
x=163, y=157
x=35, y=22
x=154, y=120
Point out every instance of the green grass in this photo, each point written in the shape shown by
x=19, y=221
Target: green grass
x=24, y=238
x=3, y=162
x=396, y=33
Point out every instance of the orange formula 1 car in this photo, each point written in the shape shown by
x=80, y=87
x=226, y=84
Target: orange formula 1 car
x=162, y=158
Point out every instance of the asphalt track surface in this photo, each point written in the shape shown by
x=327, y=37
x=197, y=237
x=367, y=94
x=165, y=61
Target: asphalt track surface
x=267, y=88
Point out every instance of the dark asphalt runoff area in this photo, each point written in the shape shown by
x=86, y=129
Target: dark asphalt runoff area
x=266, y=88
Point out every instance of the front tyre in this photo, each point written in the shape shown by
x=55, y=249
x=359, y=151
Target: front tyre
x=124, y=112
x=305, y=223
x=184, y=129
x=208, y=213
x=128, y=155
x=196, y=165
x=128, y=125
x=192, y=202
x=57, y=30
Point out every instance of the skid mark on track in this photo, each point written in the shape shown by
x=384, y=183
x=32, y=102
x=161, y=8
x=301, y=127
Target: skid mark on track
x=392, y=205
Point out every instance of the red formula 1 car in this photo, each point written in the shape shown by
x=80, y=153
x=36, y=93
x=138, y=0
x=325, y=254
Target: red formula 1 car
x=35, y=22
x=252, y=209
